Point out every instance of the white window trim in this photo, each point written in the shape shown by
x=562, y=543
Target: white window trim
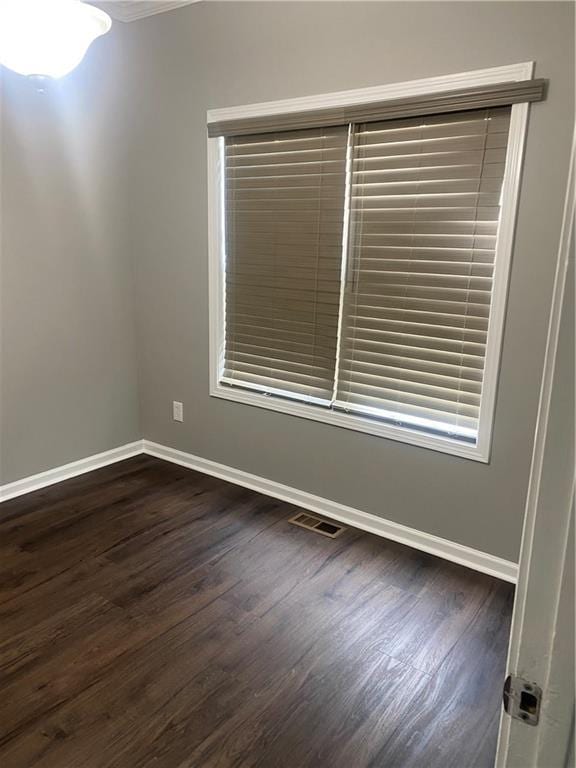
x=504, y=246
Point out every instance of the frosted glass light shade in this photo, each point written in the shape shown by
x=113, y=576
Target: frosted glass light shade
x=48, y=37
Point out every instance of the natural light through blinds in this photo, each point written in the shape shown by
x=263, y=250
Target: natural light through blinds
x=425, y=205
x=359, y=265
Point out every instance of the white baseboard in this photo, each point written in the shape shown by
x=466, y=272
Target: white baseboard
x=448, y=550
x=66, y=471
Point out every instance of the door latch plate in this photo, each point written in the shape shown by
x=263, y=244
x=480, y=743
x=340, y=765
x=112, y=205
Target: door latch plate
x=522, y=699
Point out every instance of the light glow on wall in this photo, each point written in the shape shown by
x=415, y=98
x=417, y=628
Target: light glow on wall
x=48, y=38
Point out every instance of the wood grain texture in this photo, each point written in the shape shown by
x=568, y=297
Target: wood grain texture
x=151, y=616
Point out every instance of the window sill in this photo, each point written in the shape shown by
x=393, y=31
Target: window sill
x=355, y=422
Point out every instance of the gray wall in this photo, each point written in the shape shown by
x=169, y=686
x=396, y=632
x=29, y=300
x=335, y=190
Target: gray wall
x=223, y=54
x=67, y=356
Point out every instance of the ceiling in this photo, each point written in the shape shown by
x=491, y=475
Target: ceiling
x=130, y=10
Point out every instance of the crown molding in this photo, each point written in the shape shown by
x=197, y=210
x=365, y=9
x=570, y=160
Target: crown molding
x=132, y=10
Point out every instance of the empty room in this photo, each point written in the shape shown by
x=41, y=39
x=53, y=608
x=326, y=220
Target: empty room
x=287, y=399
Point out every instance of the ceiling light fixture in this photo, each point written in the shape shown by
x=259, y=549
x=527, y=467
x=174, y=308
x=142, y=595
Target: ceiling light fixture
x=48, y=38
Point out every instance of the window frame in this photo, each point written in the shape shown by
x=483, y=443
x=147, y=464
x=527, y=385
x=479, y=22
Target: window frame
x=510, y=195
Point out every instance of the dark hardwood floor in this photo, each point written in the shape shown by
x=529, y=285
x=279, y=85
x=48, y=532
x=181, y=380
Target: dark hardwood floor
x=151, y=616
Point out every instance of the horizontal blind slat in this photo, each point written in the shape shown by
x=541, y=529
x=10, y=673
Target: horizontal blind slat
x=413, y=391
x=449, y=387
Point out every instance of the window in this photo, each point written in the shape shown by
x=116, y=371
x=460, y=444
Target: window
x=360, y=260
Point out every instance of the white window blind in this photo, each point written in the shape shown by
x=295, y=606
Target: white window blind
x=359, y=265
x=284, y=223
x=425, y=206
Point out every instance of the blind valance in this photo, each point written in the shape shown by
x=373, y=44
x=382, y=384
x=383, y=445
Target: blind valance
x=484, y=96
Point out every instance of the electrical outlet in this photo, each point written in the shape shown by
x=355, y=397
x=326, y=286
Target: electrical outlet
x=177, y=411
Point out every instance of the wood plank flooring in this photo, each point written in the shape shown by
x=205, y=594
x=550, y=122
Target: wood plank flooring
x=151, y=616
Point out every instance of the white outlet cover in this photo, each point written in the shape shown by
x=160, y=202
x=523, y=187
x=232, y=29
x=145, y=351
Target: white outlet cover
x=177, y=411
